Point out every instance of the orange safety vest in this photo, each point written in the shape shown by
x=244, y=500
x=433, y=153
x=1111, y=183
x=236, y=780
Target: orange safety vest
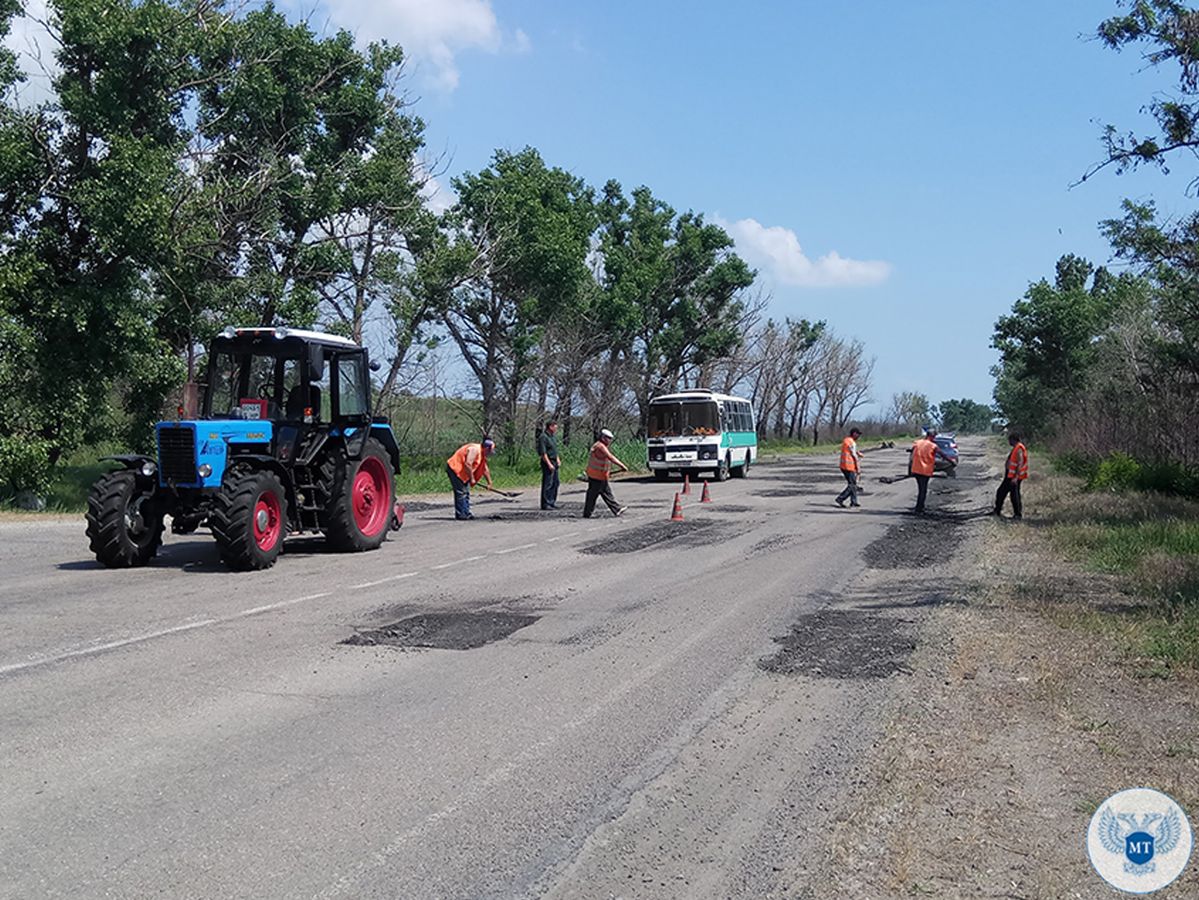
x=599, y=463
x=1017, y=463
x=461, y=467
x=924, y=457
x=849, y=462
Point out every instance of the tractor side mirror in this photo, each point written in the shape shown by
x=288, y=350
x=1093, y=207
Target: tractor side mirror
x=316, y=362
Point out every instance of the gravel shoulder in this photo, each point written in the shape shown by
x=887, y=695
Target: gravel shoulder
x=1016, y=724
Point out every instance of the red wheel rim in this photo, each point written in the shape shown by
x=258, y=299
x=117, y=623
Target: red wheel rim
x=268, y=520
x=370, y=495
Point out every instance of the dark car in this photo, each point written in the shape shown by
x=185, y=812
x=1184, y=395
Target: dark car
x=948, y=445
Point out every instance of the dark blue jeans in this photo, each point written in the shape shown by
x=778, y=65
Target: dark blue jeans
x=549, y=486
x=461, y=495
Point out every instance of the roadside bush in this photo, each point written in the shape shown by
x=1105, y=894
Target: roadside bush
x=24, y=466
x=1077, y=464
x=1119, y=472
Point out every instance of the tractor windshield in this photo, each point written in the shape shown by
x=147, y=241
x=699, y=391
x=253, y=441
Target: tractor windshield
x=250, y=385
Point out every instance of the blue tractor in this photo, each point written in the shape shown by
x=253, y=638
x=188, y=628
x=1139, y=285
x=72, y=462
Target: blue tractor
x=284, y=443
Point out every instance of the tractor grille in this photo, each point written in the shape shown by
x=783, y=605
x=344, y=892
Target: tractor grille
x=177, y=454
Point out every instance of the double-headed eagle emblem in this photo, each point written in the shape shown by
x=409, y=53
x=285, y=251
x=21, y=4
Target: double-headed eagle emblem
x=1139, y=840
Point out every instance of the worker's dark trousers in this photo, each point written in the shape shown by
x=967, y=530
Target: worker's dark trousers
x=461, y=495
x=598, y=487
x=549, y=486
x=851, y=488
x=1009, y=487
x=921, y=491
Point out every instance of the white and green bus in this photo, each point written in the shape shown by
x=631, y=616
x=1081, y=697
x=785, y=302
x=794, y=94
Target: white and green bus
x=701, y=430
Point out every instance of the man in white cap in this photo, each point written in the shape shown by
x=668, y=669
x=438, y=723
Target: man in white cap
x=599, y=468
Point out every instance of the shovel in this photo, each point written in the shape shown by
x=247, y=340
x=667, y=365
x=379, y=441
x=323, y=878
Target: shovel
x=511, y=495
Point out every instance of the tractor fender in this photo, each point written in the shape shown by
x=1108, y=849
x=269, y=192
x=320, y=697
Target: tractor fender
x=261, y=461
x=385, y=436
x=129, y=460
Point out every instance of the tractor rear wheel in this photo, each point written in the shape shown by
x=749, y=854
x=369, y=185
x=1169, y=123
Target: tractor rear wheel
x=249, y=520
x=124, y=523
x=361, y=496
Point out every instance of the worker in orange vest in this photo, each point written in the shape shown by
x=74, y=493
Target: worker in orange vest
x=1014, y=472
x=466, y=468
x=599, y=469
x=851, y=466
x=923, y=463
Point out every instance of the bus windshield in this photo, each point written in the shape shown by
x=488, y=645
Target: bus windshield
x=686, y=419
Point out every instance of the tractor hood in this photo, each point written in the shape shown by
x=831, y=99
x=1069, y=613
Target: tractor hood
x=194, y=453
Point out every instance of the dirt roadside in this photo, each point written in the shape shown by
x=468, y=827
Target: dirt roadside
x=1013, y=726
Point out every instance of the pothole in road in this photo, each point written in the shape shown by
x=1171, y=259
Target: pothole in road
x=923, y=541
x=843, y=644
x=771, y=544
x=688, y=533
x=785, y=492
x=444, y=631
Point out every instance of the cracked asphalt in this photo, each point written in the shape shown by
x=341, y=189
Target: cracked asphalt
x=184, y=731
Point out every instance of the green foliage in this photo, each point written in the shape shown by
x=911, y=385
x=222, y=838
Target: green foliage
x=965, y=416
x=24, y=465
x=1119, y=472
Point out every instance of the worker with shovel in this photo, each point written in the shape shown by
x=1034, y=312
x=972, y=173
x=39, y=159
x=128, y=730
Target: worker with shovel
x=599, y=469
x=466, y=468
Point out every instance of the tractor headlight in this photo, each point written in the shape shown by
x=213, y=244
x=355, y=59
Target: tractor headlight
x=148, y=469
x=205, y=470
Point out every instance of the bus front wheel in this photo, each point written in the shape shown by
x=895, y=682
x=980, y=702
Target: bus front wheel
x=722, y=470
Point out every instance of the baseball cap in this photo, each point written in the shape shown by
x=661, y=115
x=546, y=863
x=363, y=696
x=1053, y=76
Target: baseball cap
x=604, y=432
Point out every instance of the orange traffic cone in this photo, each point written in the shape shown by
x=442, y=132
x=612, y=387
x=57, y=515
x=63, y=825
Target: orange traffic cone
x=686, y=483
x=706, y=498
x=676, y=514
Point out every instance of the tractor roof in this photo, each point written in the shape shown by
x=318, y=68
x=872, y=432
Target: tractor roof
x=287, y=337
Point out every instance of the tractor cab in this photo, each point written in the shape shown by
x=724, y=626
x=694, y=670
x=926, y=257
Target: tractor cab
x=282, y=408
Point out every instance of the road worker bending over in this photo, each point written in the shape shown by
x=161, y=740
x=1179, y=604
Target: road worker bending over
x=599, y=468
x=924, y=462
x=1014, y=472
x=466, y=468
x=851, y=466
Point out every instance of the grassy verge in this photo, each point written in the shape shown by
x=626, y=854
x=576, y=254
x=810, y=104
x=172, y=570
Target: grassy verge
x=1147, y=544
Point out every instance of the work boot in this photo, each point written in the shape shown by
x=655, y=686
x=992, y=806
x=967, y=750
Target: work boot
x=839, y=502
x=620, y=511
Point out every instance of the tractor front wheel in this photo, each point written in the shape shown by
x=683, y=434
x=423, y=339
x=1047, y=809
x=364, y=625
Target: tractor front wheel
x=361, y=496
x=124, y=523
x=249, y=520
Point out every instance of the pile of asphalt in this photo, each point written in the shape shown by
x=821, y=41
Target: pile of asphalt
x=833, y=643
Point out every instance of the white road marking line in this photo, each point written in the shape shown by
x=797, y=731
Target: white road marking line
x=513, y=549
x=551, y=540
x=149, y=636
x=368, y=584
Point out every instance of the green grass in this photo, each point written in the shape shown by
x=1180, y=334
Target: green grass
x=1150, y=541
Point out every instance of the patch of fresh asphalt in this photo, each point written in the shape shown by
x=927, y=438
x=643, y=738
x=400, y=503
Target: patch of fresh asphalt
x=626, y=743
x=444, y=630
x=836, y=643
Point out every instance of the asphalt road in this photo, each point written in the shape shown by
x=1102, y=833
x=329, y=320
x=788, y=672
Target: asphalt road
x=184, y=731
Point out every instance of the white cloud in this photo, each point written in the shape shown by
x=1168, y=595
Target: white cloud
x=432, y=32
x=776, y=251
x=438, y=198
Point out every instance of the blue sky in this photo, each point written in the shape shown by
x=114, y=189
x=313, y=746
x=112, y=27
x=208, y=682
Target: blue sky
x=937, y=138
x=901, y=170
